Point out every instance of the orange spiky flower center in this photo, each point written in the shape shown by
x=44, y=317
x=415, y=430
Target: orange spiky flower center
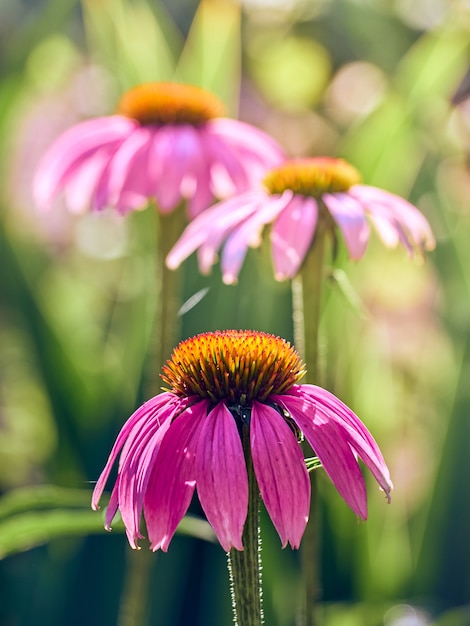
x=237, y=366
x=312, y=177
x=170, y=103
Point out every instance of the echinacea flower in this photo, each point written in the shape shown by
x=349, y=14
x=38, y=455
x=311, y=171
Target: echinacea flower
x=190, y=437
x=296, y=195
x=167, y=141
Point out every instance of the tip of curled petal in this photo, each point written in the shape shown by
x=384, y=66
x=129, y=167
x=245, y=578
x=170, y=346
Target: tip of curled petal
x=388, y=492
x=281, y=276
x=230, y=279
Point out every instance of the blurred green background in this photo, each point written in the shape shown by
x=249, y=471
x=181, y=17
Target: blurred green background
x=374, y=81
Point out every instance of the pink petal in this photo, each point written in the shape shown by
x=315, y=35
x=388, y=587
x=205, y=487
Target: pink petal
x=135, y=471
x=177, y=153
x=225, y=163
x=351, y=219
x=281, y=474
x=248, y=139
x=248, y=233
x=72, y=149
x=133, y=424
x=383, y=203
x=172, y=482
x=331, y=446
x=113, y=506
x=360, y=439
x=292, y=235
x=210, y=228
x=221, y=477
x=128, y=180
x=201, y=197
x=80, y=186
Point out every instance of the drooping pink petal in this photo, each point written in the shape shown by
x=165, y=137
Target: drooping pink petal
x=80, y=187
x=127, y=180
x=323, y=418
x=329, y=442
x=135, y=470
x=292, y=235
x=72, y=149
x=210, y=228
x=113, y=506
x=351, y=219
x=172, y=481
x=199, y=190
x=280, y=472
x=225, y=163
x=381, y=202
x=182, y=148
x=358, y=436
x=249, y=139
x=221, y=477
x=248, y=234
x=133, y=424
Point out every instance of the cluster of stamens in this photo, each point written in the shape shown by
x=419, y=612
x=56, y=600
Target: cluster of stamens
x=312, y=176
x=170, y=103
x=236, y=366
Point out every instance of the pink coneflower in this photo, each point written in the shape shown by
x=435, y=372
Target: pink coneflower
x=223, y=386
x=295, y=197
x=167, y=142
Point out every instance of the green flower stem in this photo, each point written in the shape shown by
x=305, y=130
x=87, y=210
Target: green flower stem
x=135, y=595
x=245, y=566
x=167, y=322
x=306, y=291
x=134, y=606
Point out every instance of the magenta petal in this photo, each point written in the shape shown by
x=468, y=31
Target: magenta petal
x=113, y=506
x=133, y=424
x=221, y=477
x=331, y=446
x=135, y=471
x=281, y=474
x=359, y=438
x=292, y=235
x=172, y=482
x=350, y=217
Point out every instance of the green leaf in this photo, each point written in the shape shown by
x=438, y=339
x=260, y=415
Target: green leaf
x=42, y=497
x=211, y=56
x=34, y=516
x=313, y=463
x=136, y=42
x=339, y=279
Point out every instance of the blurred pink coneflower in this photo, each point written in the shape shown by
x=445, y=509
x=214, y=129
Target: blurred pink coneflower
x=167, y=141
x=294, y=197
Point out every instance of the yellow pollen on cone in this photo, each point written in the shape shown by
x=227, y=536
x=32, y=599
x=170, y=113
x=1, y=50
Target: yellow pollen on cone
x=170, y=103
x=312, y=176
x=234, y=365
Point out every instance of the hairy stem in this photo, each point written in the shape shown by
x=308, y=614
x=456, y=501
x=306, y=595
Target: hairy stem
x=245, y=566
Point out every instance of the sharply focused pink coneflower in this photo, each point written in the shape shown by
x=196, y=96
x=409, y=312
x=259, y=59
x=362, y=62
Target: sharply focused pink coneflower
x=225, y=386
